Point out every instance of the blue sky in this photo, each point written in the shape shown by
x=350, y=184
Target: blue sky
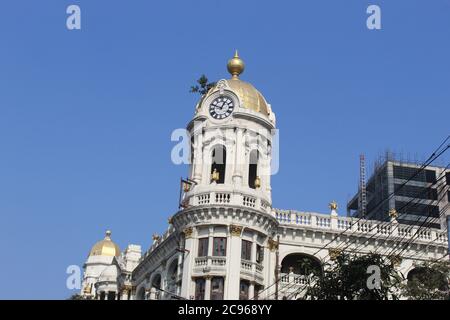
x=86, y=116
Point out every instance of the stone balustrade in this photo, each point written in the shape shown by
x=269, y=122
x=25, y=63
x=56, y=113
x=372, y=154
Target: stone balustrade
x=348, y=225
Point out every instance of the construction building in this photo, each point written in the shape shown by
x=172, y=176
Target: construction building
x=418, y=196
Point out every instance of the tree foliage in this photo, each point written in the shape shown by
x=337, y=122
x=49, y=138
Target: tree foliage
x=202, y=86
x=428, y=281
x=346, y=278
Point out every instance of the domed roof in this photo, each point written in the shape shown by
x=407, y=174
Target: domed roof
x=250, y=97
x=106, y=247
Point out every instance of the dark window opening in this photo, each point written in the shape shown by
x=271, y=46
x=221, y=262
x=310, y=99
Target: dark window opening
x=200, y=289
x=253, y=169
x=203, y=247
x=243, y=290
x=416, y=192
x=111, y=295
x=259, y=253
x=246, y=250
x=217, y=288
x=258, y=290
x=220, y=247
x=218, y=163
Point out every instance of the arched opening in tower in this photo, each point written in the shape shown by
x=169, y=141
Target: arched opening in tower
x=218, y=164
x=253, y=169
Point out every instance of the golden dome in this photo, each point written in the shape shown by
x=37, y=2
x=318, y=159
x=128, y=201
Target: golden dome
x=250, y=97
x=235, y=66
x=106, y=247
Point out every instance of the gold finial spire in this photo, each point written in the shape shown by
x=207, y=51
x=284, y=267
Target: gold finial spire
x=333, y=205
x=235, y=66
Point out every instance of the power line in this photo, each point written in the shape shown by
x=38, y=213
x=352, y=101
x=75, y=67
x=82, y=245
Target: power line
x=432, y=158
x=403, y=214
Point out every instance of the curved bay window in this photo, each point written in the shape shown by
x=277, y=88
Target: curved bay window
x=253, y=169
x=243, y=289
x=218, y=164
x=217, y=288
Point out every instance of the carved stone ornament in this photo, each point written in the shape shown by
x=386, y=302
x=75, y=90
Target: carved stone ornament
x=272, y=244
x=235, y=230
x=188, y=232
x=334, y=253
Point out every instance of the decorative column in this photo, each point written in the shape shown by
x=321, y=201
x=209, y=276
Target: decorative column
x=253, y=253
x=239, y=159
x=208, y=287
x=251, y=290
x=188, y=264
x=271, y=267
x=198, y=156
x=234, y=263
x=210, y=242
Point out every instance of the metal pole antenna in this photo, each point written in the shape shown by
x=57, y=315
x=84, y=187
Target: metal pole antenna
x=277, y=272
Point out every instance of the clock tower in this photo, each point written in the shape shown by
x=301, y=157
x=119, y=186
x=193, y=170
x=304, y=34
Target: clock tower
x=226, y=222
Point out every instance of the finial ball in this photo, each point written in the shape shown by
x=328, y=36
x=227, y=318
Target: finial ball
x=235, y=65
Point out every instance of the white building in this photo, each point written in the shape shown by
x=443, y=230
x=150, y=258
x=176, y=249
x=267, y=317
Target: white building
x=223, y=243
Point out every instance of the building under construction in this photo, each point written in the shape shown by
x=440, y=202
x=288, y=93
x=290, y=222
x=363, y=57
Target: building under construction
x=419, y=197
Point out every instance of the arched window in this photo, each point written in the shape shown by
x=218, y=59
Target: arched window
x=218, y=163
x=156, y=284
x=253, y=169
x=301, y=264
x=426, y=276
x=172, y=284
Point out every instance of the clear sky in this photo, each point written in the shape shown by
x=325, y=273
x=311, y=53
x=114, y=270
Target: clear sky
x=86, y=115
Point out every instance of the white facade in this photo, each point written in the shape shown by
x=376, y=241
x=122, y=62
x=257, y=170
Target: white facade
x=223, y=244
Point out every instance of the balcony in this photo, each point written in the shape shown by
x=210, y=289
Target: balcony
x=251, y=268
x=220, y=195
x=205, y=264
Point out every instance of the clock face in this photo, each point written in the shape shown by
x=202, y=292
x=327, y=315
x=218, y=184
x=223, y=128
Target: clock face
x=221, y=107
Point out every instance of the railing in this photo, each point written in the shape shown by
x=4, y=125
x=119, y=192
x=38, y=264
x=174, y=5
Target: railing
x=291, y=279
x=249, y=201
x=210, y=261
x=246, y=265
x=249, y=266
x=223, y=197
x=203, y=198
x=357, y=226
x=230, y=198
